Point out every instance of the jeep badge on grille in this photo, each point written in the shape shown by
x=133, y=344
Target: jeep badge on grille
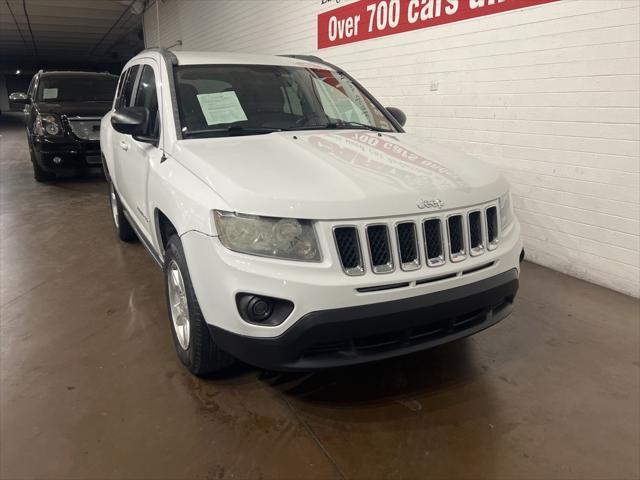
x=429, y=204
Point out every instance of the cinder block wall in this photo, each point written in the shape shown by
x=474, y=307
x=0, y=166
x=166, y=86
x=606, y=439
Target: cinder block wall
x=549, y=94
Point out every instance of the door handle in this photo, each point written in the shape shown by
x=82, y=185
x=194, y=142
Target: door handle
x=124, y=145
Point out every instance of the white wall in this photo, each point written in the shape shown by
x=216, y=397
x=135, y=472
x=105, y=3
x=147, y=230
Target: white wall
x=550, y=94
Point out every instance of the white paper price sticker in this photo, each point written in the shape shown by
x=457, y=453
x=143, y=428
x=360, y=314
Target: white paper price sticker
x=222, y=107
x=48, y=93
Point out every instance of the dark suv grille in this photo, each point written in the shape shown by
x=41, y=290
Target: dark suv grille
x=84, y=128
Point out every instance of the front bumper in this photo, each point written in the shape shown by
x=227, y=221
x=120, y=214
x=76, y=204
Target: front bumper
x=218, y=275
x=75, y=154
x=352, y=335
x=333, y=321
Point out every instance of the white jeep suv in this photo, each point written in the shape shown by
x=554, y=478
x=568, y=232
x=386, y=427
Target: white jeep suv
x=297, y=225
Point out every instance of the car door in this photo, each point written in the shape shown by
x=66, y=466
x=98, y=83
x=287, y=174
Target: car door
x=135, y=157
x=119, y=141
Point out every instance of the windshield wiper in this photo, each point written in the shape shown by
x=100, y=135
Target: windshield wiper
x=341, y=124
x=350, y=124
x=233, y=130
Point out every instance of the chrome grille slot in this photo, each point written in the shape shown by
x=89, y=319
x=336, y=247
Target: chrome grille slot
x=476, y=240
x=456, y=238
x=379, y=248
x=433, y=242
x=407, y=237
x=492, y=227
x=349, y=250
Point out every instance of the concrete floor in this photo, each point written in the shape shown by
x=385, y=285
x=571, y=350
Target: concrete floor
x=91, y=387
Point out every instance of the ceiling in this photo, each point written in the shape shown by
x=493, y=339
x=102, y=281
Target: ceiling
x=38, y=33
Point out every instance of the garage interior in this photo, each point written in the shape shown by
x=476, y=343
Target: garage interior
x=90, y=386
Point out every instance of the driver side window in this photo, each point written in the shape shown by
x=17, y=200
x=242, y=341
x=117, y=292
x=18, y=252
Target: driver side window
x=147, y=96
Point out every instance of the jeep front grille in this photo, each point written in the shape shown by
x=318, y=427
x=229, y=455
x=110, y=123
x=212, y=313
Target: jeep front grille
x=434, y=242
x=492, y=227
x=476, y=240
x=438, y=239
x=379, y=248
x=455, y=226
x=407, y=237
x=349, y=250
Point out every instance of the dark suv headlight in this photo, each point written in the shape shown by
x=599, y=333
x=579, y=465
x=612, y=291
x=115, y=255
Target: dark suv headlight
x=47, y=125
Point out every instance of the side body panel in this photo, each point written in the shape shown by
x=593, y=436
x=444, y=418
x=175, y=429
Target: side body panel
x=154, y=183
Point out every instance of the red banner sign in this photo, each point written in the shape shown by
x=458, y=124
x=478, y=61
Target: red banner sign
x=376, y=18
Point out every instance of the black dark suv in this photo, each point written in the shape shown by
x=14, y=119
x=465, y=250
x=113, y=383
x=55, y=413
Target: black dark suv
x=62, y=114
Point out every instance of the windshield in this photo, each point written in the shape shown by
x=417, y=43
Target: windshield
x=224, y=100
x=68, y=88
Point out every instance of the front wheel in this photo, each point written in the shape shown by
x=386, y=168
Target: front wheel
x=194, y=345
x=39, y=174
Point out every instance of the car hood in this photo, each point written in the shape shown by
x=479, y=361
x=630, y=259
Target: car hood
x=338, y=175
x=75, y=109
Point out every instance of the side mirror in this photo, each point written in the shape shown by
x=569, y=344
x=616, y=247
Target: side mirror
x=133, y=121
x=19, y=97
x=398, y=115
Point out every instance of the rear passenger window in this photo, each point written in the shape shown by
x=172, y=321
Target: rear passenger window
x=146, y=96
x=127, y=89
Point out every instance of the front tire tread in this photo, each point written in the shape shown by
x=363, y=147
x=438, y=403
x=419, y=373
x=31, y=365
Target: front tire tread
x=203, y=356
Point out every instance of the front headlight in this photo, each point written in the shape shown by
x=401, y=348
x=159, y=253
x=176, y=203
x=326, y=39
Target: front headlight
x=47, y=124
x=286, y=238
x=506, y=211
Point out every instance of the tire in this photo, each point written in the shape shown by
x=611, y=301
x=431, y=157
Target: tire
x=39, y=174
x=125, y=231
x=194, y=345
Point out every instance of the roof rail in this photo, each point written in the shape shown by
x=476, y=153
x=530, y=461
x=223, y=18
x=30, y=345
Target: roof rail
x=168, y=55
x=309, y=58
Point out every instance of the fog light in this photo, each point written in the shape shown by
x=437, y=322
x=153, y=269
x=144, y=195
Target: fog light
x=259, y=309
x=263, y=310
x=57, y=160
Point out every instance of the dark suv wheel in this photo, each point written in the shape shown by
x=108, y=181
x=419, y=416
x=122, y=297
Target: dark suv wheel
x=39, y=174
